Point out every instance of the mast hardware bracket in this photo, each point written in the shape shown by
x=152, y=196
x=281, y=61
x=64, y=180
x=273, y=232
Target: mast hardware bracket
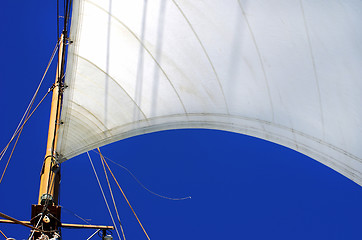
x=51, y=88
x=46, y=199
x=68, y=41
x=55, y=158
x=59, y=123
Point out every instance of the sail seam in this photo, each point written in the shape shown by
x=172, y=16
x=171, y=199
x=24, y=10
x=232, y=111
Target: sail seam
x=90, y=113
x=90, y=62
x=147, y=50
x=259, y=56
x=313, y=63
x=205, y=52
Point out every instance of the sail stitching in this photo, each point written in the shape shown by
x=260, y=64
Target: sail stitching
x=90, y=62
x=259, y=56
x=313, y=63
x=204, y=50
x=90, y=113
x=147, y=50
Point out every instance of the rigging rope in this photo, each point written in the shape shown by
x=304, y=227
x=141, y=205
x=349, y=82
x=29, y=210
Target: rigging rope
x=18, y=129
x=142, y=185
x=104, y=197
x=37, y=225
x=114, y=202
x=3, y=235
x=21, y=223
x=26, y=115
x=11, y=154
x=93, y=234
x=31, y=101
x=124, y=195
x=18, y=133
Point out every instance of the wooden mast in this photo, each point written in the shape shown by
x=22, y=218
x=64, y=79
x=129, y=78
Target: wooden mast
x=46, y=214
x=48, y=184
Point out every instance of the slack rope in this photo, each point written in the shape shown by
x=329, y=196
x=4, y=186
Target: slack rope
x=76, y=215
x=142, y=185
x=134, y=213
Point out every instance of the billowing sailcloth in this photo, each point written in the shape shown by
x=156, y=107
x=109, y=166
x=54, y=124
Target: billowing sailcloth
x=288, y=71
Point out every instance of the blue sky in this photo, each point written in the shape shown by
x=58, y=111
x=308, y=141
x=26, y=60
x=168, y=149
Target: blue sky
x=241, y=187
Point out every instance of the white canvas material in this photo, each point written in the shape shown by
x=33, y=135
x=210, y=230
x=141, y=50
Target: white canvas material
x=287, y=71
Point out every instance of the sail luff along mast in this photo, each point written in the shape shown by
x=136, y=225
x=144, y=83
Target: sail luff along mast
x=46, y=214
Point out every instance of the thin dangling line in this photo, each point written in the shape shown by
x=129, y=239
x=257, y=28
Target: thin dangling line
x=124, y=195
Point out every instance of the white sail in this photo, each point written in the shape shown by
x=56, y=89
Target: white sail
x=286, y=71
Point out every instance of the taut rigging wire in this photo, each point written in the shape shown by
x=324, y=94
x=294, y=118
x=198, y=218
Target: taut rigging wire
x=3, y=235
x=22, y=121
x=114, y=202
x=124, y=195
x=93, y=234
x=104, y=197
x=18, y=133
x=21, y=223
x=26, y=116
